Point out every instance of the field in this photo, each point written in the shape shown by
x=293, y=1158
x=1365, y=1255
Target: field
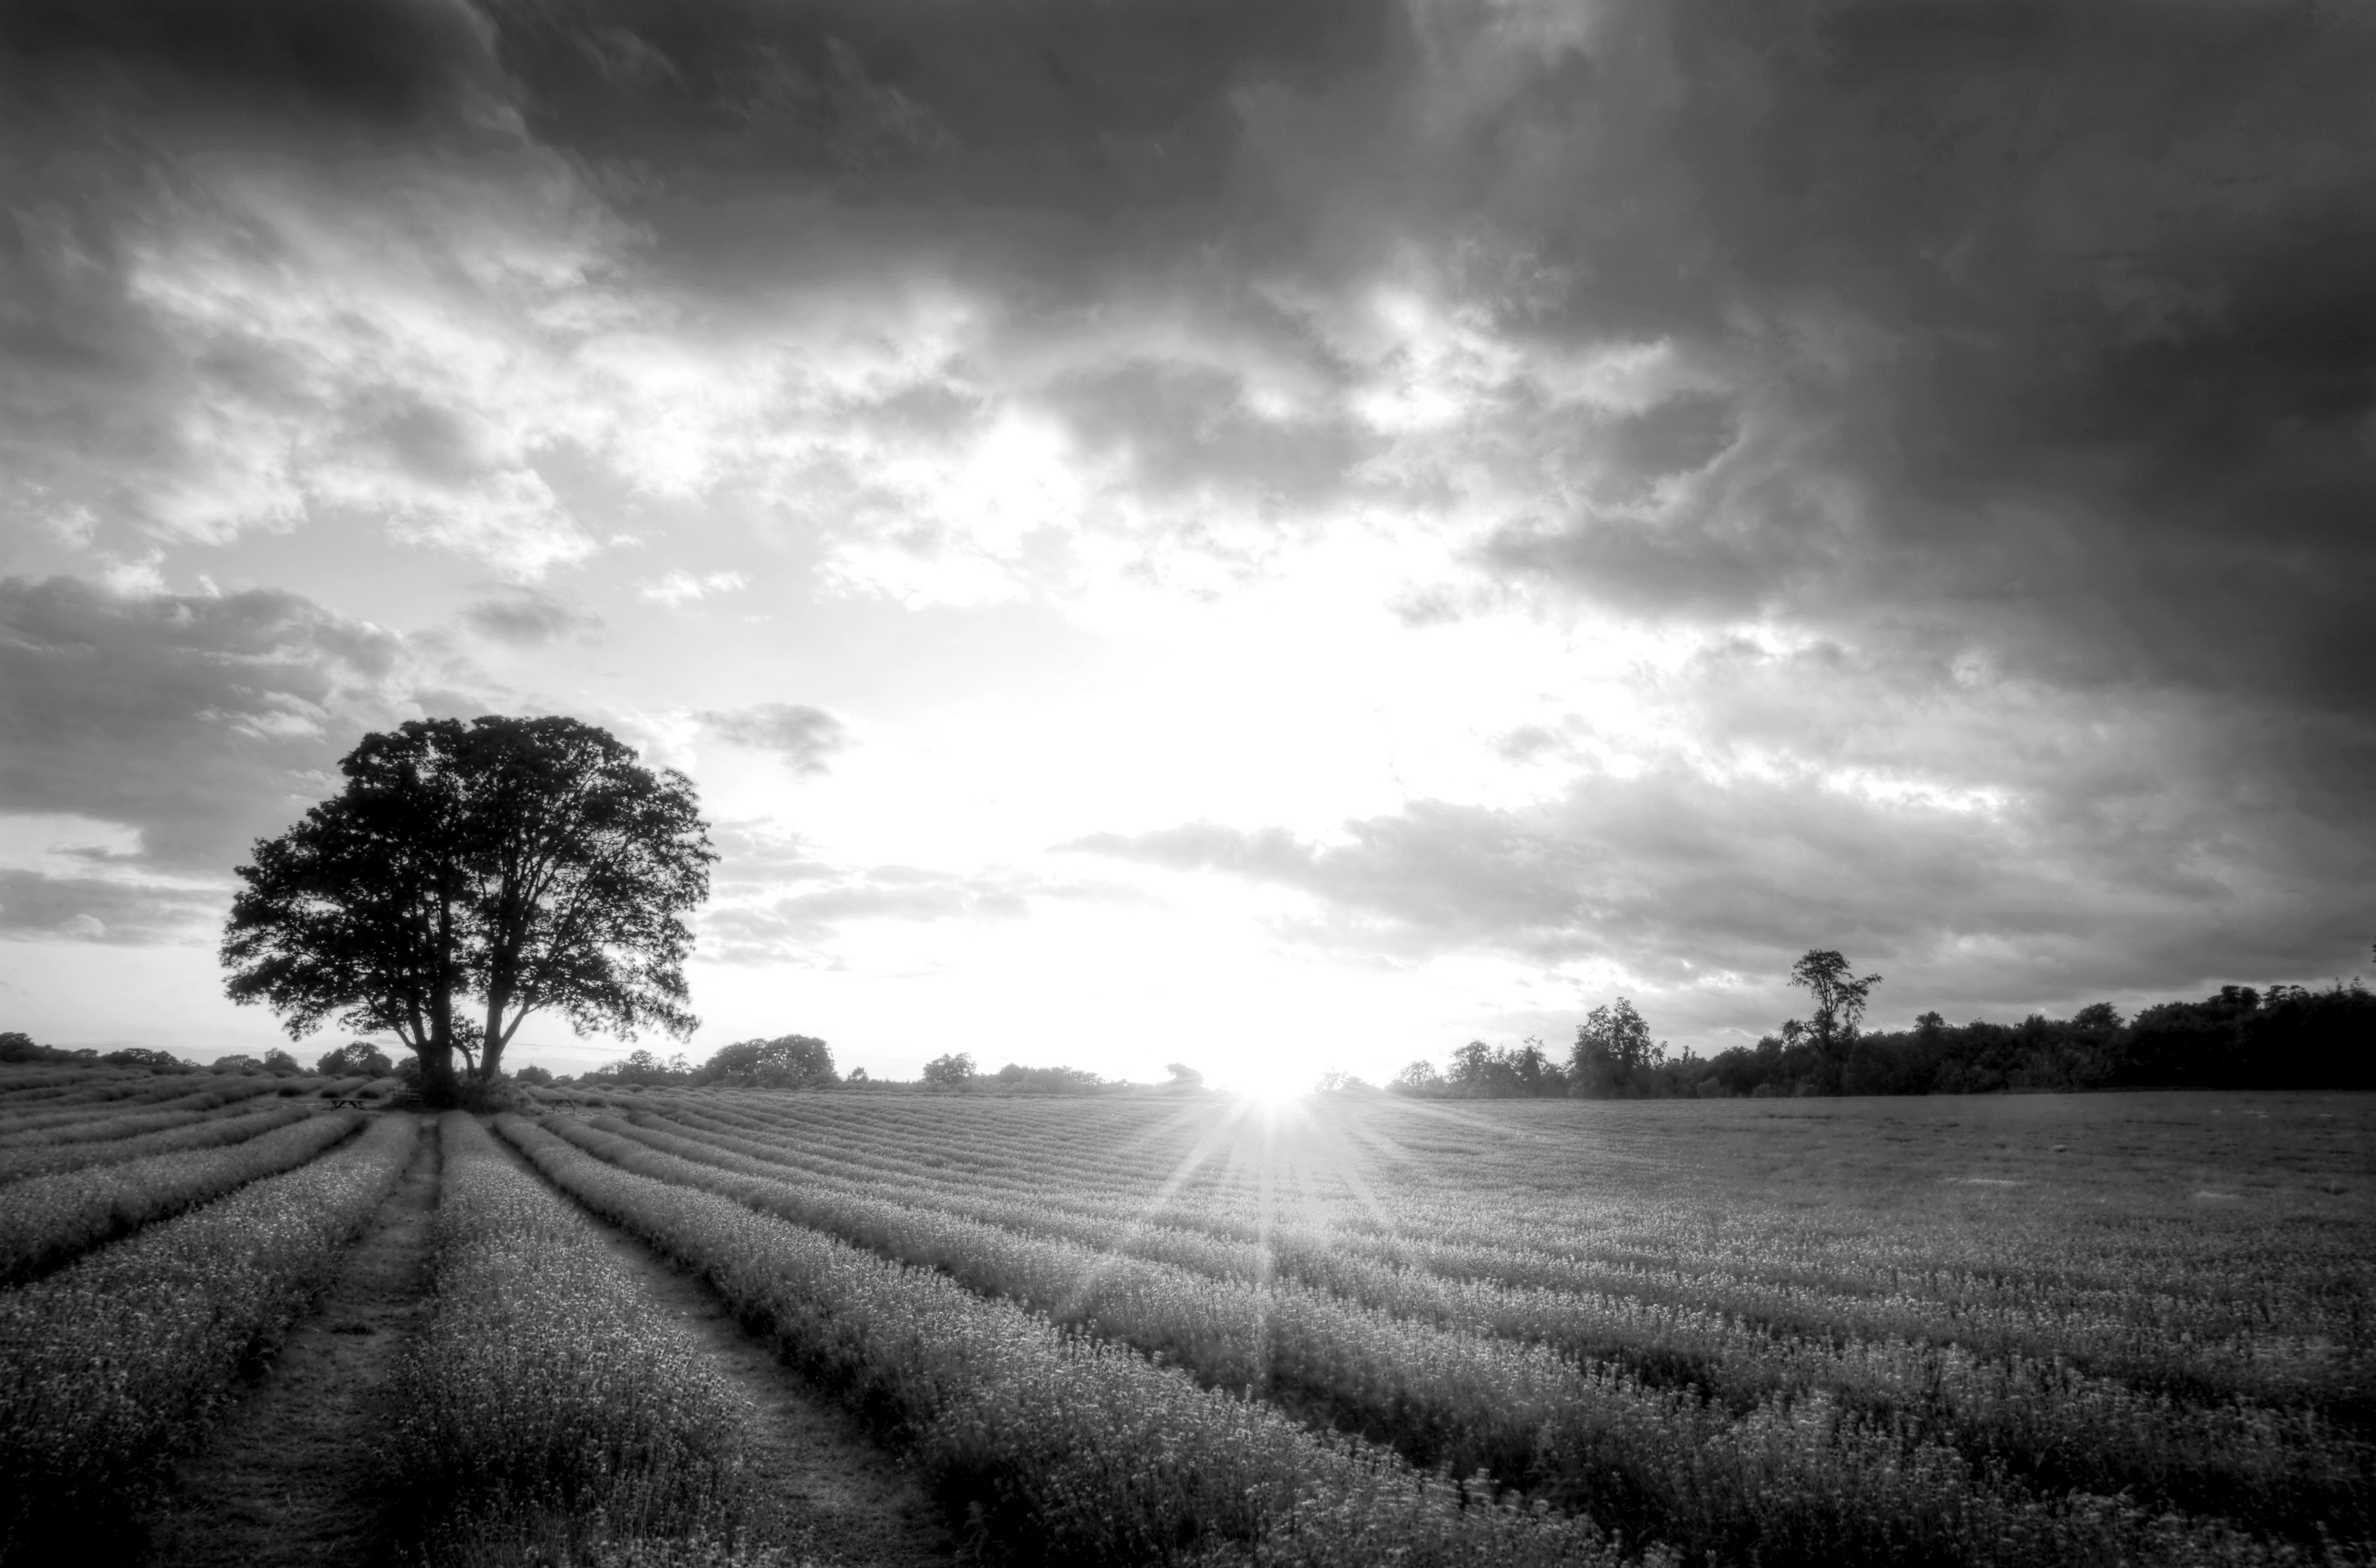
x=714, y=1325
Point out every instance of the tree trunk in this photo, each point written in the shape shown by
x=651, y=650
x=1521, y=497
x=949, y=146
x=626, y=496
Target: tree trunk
x=490, y=1050
x=437, y=1085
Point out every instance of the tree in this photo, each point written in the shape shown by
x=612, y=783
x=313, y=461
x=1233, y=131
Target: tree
x=788, y=1062
x=1420, y=1077
x=1183, y=1077
x=1613, y=1053
x=1472, y=1067
x=279, y=1060
x=139, y=1056
x=1839, y=1008
x=642, y=1068
x=357, y=1057
x=531, y=864
x=954, y=1071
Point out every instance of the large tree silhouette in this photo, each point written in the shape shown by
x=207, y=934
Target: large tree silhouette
x=530, y=864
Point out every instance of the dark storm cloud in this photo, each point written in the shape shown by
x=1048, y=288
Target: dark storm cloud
x=1678, y=881
x=2047, y=330
x=199, y=721
x=805, y=738
x=228, y=227
x=1064, y=106
x=2043, y=330
x=391, y=61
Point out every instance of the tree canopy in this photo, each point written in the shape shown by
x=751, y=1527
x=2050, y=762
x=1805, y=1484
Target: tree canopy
x=527, y=864
x=788, y=1062
x=1613, y=1053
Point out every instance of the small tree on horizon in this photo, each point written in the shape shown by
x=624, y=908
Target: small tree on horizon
x=1840, y=999
x=531, y=864
x=954, y=1071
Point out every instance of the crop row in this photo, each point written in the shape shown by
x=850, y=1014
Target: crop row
x=2046, y=1422
x=116, y=1361
x=209, y=1132
x=1498, y=1181
x=1086, y=1451
x=2292, y=1341
x=48, y=1219
x=1961, y=1269
x=54, y=1122
x=2038, y=1413
x=74, y=1085
x=549, y=1402
x=1791, y=1479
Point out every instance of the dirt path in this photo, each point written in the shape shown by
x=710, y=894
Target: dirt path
x=837, y=1495
x=286, y=1479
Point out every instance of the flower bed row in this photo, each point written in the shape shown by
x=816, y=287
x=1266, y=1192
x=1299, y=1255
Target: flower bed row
x=205, y=1132
x=1078, y=1447
x=118, y=1361
x=1791, y=1480
x=550, y=1405
x=48, y=1219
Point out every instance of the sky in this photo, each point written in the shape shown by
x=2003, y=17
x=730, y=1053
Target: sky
x=1272, y=536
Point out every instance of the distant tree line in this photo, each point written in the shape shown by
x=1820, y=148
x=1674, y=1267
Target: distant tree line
x=2289, y=1037
x=803, y=1062
x=956, y=1074
x=18, y=1046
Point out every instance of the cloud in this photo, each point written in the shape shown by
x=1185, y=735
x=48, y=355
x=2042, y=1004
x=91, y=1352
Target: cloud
x=776, y=900
x=199, y=720
x=525, y=617
x=1979, y=399
x=34, y=907
x=1672, y=879
x=274, y=274
x=802, y=926
x=685, y=587
x=806, y=738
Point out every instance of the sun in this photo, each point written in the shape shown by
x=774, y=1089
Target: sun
x=1273, y=1088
